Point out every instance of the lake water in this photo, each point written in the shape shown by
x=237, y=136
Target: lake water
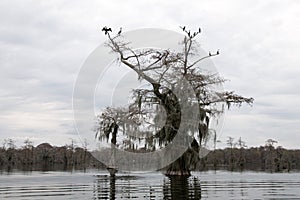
x=150, y=185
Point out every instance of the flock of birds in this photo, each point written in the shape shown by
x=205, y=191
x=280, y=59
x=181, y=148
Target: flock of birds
x=106, y=31
x=191, y=35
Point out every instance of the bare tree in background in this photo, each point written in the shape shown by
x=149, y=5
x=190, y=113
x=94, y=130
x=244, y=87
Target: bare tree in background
x=28, y=152
x=241, y=145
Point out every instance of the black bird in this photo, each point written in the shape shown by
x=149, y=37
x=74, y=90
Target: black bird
x=218, y=52
x=120, y=31
x=189, y=33
x=183, y=28
x=209, y=53
x=106, y=30
x=199, y=31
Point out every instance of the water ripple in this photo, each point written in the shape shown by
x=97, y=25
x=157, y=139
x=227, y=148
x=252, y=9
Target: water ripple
x=203, y=185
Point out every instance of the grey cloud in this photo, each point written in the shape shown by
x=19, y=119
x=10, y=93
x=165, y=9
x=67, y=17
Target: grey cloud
x=44, y=43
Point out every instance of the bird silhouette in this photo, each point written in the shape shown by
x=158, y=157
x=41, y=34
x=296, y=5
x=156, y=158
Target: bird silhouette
x=209, y=53
x=199, y=30
x=189, y=33
x=106, y=30
x=120, y=31
x=218, y=52
x=183, y=28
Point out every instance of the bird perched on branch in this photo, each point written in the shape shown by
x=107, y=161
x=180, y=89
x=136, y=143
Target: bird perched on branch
x=189, y=33
x=120, y=31
x=183, y=28
x=106, y=30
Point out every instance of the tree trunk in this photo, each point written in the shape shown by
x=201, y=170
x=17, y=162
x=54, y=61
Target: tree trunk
x=180, y=167
x=184, y=164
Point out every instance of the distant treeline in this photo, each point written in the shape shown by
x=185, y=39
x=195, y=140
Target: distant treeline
x=69, y=157
x=264, y=158
x=46, y=157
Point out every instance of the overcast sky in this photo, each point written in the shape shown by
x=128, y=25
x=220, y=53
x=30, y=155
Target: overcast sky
x=43, y=45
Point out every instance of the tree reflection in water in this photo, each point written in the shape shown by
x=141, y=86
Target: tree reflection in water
x=112, y=188
x=181, y=187
x=139, y=187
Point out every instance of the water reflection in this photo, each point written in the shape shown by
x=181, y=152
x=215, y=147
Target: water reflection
x=127, y=187
x=221, y=185
x=177, y=188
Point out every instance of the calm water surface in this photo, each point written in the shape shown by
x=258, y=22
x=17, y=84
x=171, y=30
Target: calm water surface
x=152, y=185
